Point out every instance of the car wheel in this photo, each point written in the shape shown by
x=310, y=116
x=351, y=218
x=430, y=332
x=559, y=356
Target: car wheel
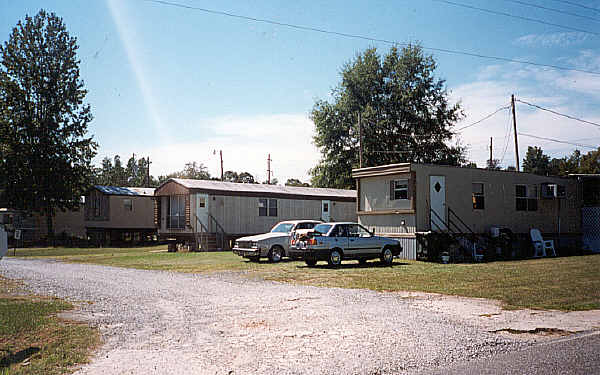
x=275, y=254
x=387, y=257
x=310, y=262
x=335, y=258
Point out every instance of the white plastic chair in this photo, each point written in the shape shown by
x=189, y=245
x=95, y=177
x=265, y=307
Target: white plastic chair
x=540, y=246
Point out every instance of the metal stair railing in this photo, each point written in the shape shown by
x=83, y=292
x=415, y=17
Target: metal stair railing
x=219, y=231
x=202, y=234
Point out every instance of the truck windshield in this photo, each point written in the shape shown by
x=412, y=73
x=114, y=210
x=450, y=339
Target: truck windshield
x=283, y=228
x=323, y=228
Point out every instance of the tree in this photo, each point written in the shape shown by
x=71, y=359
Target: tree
x=493, y=164
x=296, y=182
x=590, y=162
x=536, y=161
x=404, y=111
x=46, y=153
x=191, y=170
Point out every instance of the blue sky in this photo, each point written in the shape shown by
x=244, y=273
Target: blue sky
x=176, y=84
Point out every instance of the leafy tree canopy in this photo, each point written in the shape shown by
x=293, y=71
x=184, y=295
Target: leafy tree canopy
x=191, y=170
x=536, y=161
x=46, y=152
x=135, y=174
x=242, y=177
x=404, y=111
x=296, y=182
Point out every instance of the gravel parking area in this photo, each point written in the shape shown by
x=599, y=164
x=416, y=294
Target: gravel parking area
x=172, y=323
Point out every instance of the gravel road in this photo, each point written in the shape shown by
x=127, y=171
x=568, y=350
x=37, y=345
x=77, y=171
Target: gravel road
x=157, y=322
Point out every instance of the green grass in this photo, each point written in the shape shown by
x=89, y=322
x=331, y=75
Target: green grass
x=571, y=283
x=33, y=340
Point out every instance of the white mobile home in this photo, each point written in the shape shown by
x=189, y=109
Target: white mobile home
x=210, y=214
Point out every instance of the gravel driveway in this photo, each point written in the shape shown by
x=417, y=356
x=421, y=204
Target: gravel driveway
x=172, y=323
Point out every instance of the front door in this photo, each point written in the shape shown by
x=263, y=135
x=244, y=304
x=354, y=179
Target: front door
x=437, y=199
x=326, y=211
x=201, y=212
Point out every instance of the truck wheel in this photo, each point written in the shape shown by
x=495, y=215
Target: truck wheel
x=387, y=257
x=310, y=262
x=335, y=258
x=275, y=254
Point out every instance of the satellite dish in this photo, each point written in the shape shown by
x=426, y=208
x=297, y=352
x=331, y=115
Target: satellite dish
x=3, y=242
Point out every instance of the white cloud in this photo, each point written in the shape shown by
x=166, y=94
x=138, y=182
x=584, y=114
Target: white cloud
x=568, y=92
x=246, y=142
x=554, y=39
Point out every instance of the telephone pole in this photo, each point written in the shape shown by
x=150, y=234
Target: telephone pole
x=514, y=116
x=360, y=142
x=491, y=159
x=148, y=172
x=221, y=156
x=269, y=169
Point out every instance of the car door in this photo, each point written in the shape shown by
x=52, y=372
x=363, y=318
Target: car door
x=339, y=237
x=360, y=241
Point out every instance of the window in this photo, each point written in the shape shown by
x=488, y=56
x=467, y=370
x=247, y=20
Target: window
x=356, y=230
x=526, y=198
x=201, y=202
x=399, y=189
x=262, y=207
x=305, y=225
x=176, y=211
x=267, y=207
x=478, y=196
x=325, y=207
x=272, y=207
x=128, y=204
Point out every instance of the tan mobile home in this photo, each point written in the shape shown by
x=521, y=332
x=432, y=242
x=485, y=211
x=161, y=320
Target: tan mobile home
x=210, y=214
x=399, y=200
x=119, y=214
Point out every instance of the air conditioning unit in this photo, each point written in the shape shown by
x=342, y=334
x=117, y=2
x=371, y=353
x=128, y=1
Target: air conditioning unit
x=550, y=191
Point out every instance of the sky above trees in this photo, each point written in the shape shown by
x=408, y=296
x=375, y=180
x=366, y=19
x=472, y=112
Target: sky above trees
x=177, y=84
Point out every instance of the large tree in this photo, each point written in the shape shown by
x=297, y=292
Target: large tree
x=46, y=151
x=536, y=161
x=404, y=110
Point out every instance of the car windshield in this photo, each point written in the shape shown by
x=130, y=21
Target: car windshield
x=323, y=228
x=282, y=228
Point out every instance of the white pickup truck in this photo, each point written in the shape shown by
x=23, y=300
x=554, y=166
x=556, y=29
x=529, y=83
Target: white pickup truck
x=273, y=245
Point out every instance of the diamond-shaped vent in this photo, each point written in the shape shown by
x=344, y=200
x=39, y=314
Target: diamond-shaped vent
x=437, y=187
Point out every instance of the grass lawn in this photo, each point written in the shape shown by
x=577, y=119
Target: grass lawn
x=33, y=340
x=570, y=283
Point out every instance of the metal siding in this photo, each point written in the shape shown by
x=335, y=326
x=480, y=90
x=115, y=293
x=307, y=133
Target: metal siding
x=409, y=248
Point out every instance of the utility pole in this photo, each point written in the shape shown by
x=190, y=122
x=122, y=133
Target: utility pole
x=491, y=160
x=269, y=169
x=360, y=142
x=514, y=115
x=221, y=156
x=148, y=172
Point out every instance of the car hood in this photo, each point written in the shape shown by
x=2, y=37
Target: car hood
x=264, y=236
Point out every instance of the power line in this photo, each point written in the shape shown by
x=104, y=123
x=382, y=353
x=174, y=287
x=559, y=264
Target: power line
x=578, y=5
x=558, y=113
x=558, y=141
x=483, y=119
x=553, y=10
x=507, y=139
x=371, y=39
x=515, y=16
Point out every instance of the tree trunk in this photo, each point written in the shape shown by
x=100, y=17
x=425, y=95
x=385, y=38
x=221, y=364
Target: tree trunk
x=50, y=226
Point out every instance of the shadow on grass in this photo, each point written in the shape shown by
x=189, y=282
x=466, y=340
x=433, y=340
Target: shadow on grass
x=354, y=265
x=18, y=357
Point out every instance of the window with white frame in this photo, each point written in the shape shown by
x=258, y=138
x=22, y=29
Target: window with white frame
x=526, y=198
x=399, y=189
x=267, y=207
